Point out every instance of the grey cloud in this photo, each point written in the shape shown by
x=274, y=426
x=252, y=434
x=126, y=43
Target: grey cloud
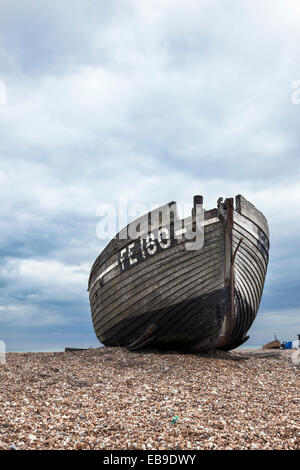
x=39, y=39
x=284, y=323
x=107, y=99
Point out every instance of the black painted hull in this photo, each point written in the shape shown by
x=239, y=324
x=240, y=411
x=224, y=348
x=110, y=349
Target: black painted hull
x=194, y=300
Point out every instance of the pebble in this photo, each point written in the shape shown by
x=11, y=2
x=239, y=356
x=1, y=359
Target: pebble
x=109, y=398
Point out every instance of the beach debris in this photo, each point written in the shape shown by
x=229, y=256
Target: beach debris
x=291, y=344
x=75, y=349
x=257, y=353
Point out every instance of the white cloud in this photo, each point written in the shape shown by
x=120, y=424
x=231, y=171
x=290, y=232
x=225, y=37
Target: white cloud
x=31, y=316
x=46, y=279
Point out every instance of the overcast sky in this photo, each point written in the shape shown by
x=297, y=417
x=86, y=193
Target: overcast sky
x=156, y=101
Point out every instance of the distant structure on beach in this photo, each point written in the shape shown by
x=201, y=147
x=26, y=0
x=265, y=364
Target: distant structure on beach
x=193, y=283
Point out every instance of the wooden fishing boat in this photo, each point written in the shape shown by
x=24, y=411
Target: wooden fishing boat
x=275, y=344
x=156, y=290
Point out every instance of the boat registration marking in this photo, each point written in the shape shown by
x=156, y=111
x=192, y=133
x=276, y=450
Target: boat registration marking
x=150, y=249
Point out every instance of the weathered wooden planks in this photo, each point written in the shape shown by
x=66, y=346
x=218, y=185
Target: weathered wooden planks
x=161, y=287
x=250, y=263
x=197, y=299
x=250, y=212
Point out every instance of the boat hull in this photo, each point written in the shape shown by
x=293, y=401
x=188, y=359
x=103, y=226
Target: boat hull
x=178, y=298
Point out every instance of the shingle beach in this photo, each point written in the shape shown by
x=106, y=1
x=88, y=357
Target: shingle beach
x=109, y=398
